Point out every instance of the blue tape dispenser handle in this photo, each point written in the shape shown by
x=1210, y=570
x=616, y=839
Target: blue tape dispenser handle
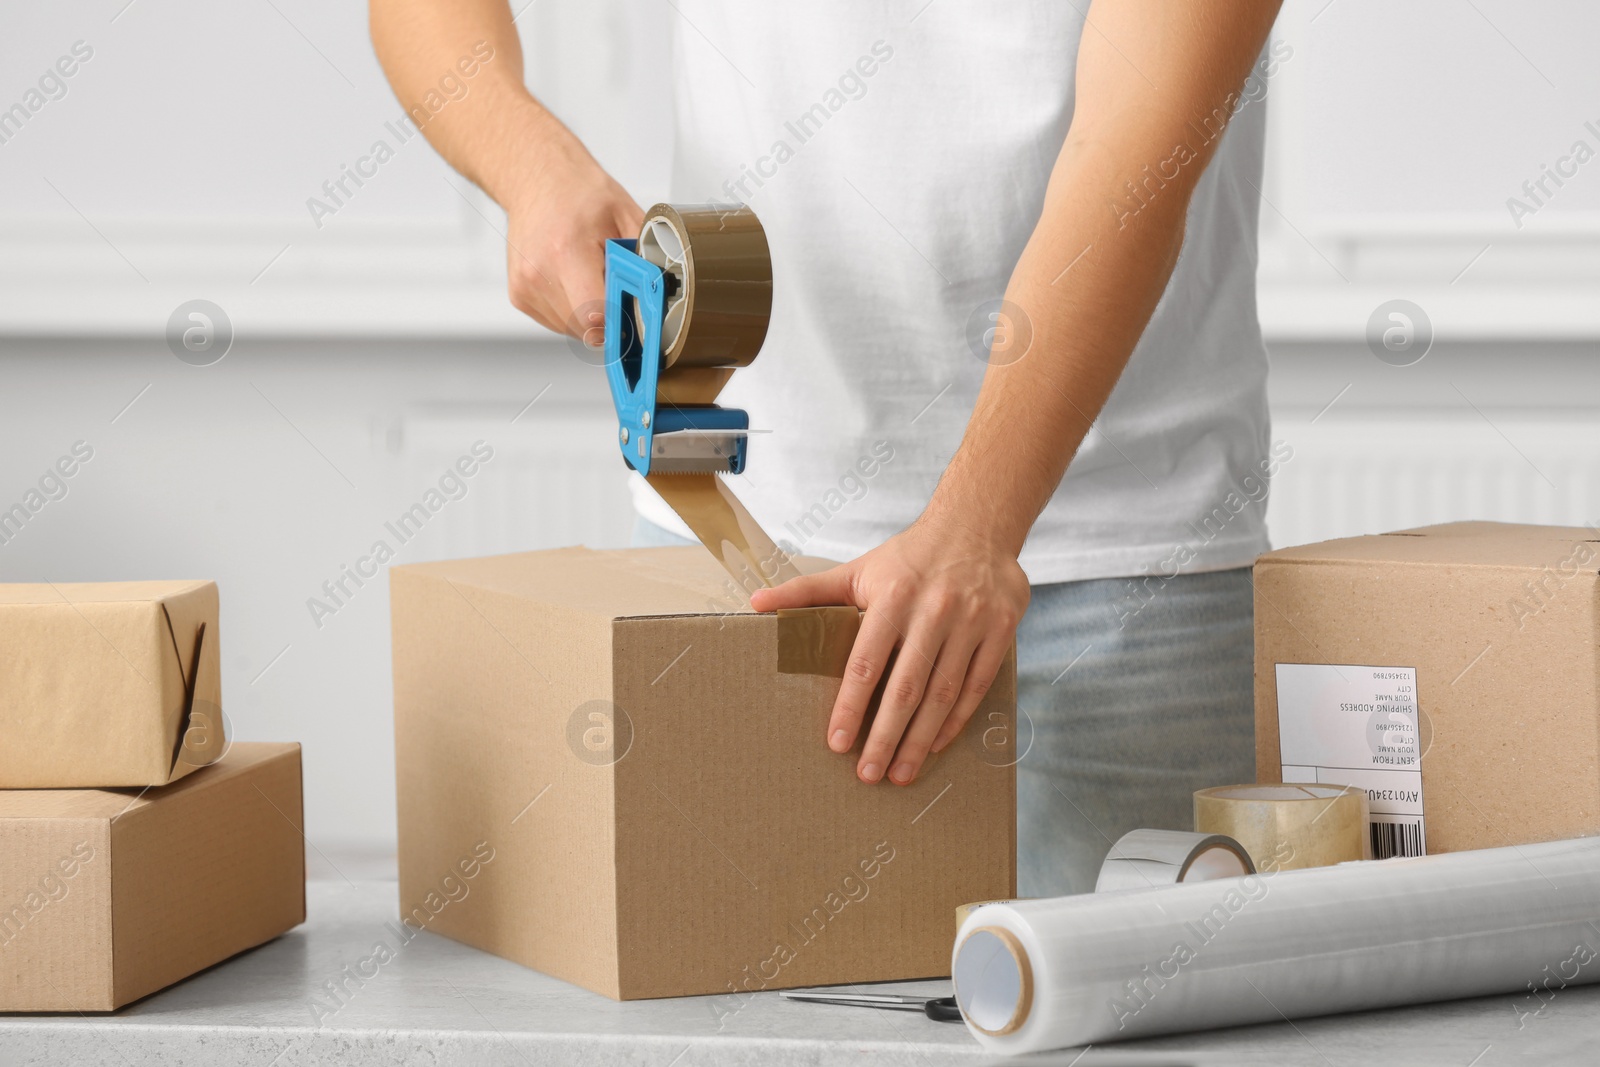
x=632, y=377
x=656, y=437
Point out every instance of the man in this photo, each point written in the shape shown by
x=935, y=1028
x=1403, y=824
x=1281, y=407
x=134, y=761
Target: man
x=912, y=163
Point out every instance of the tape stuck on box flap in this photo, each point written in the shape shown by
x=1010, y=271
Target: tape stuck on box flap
x=816, y=640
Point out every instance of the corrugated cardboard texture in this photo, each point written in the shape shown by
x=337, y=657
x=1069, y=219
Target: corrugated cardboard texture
x=213, y=866
x=97, y=681
x=1502, y=624
x=114, y=894
x=725, y=849
x=483, y=683
x=55, y=915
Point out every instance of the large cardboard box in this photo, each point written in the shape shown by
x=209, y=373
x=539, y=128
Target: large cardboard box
x=610, y=771
x=1451, y=671
x=108, y=683
x=109, y=895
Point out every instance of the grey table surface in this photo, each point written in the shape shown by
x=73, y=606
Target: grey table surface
x=439, y=1002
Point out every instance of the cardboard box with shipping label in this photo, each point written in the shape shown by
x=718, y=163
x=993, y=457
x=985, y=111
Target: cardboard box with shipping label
x=1450, y=671
x=106, y=684
x=632, y=766
x=109, y=895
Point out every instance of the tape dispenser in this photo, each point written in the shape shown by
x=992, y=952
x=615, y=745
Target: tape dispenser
x=686, y=305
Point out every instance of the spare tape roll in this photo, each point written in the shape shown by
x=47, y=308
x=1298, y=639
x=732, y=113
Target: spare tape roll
x=1288, y=826
x=1050, y=974
x=719, y=298
x=1143, y=859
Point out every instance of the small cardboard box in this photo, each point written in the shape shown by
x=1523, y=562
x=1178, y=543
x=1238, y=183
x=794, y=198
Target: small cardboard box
x=109, y=895
x=106, y=684
x=1451, y=671
x=612, y=772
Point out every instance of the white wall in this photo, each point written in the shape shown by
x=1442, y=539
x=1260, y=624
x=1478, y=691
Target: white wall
x=1398, y=132
x=373, y=351
x=179, y=162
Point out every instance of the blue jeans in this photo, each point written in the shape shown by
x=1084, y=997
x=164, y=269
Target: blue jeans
x=1122, y=713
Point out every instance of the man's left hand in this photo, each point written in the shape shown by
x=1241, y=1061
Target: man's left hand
x=945, y=603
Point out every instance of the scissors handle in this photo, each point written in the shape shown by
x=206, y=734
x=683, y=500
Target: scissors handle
x=942, y=1009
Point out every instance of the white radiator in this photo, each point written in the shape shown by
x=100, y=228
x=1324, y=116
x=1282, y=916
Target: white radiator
x=1374, y=472
x=556, y=478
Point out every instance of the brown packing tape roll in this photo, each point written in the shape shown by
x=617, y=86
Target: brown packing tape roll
x=719, y=296
x=692, y=385
x=1290, y=826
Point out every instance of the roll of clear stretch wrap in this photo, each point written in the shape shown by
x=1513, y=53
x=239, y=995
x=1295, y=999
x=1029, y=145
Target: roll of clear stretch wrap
x=1049, y=974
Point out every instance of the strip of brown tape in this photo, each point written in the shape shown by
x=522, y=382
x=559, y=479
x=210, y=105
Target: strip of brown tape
x=709, y=508
x=816, y=640
x=810, y=640
x=724, y=270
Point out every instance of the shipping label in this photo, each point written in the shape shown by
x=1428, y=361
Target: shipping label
x=1340, y=724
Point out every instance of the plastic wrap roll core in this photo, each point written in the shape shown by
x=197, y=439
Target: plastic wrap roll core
x=1289, y=826
x=1049, y=974
x=1142, y=859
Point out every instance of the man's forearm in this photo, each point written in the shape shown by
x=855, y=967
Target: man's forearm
x=1090, y=277
x=487, y=133
x=561, y=206
x=1087, y=290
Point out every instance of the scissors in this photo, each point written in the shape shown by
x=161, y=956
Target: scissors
x=940, y=1009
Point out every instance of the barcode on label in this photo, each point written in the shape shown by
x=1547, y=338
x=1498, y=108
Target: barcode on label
x=1396, y=839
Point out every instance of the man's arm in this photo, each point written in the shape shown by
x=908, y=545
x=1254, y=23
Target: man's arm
x=947, y=592
x=560, y=205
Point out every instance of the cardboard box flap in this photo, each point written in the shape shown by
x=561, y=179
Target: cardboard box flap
x=198, y=735
x=204, y=737
x=201, y=735
x=1488, y=544
x=633, y=583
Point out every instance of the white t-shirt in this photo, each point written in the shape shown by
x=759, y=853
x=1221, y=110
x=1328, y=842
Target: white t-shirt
x=898, y=160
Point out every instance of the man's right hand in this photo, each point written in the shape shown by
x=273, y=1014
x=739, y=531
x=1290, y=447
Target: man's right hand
x=560, y=204
x=560, y=219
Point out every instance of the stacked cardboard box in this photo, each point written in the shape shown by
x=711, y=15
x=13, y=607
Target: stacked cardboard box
x=136, y=846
